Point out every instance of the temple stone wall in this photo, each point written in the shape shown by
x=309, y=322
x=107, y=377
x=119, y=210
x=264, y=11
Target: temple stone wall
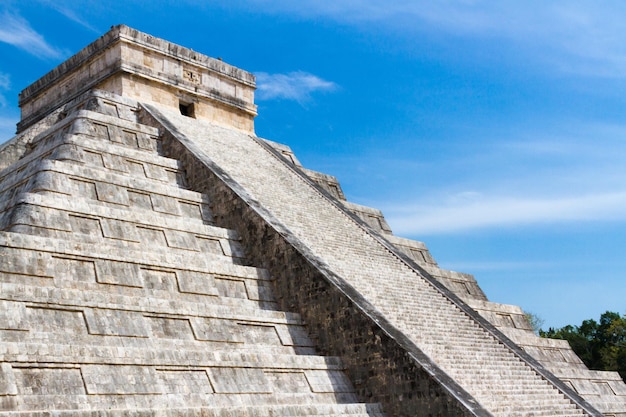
x=138, y=66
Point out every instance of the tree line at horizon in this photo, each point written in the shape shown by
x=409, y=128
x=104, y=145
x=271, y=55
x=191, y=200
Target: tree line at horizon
x=600, y=344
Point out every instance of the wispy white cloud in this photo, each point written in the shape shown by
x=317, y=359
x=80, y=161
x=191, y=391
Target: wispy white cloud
x=476, y=266
x=5, y=84
x=475, y=211
x=70, y=12
x=16, y=31
x=531, y=180
x=298, y=86
x=573, y=36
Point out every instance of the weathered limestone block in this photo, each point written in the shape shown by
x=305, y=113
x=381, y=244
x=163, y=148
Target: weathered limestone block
x=258, y=290
x=171, y=328
x=185, y=382
x=209, y=245
x=86, y=225
x=232, y=247
x=118, y=273
x=371, y=216
x=26, y=262
x=119, y=229
x=139, y=200
x=110, y=104
x=239, y=380
x=165, y=204
x=152, y=234
x=8, y=385
x=329, y=183
x=181, y=240
x=49, y=381
x=291, y=335
x=285, y=151
x=48, y=180
x=194, y=282
x=116, y=323
x=414, y=249
x=288, y=381
x=60, y=320
x=74, y=270
x=328, y=381
x=113, y=161
x=67, y=152
x=231, y=287
x=109, y=379
x=462, y=284
x=85, y=188
x=155, y=279
x=257, y=333
x=216, y=330
x=111, y=193
x=502, y=315
x=12, y=317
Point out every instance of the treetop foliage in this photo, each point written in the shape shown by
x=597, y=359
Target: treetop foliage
x=601, y=345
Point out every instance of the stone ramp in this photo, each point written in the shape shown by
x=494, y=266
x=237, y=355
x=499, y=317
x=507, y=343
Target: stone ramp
x=119, y=295
x=457, y=344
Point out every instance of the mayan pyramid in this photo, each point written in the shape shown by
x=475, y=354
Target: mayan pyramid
x=158, y=258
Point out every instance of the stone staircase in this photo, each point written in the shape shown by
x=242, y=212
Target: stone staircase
x=441, y=326
x=605, y=390
x=119, y=294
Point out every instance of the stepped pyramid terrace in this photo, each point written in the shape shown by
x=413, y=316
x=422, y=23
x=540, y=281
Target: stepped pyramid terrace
x=158, y=258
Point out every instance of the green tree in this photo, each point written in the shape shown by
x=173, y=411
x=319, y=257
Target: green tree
x=601, y=345
x=535, y=321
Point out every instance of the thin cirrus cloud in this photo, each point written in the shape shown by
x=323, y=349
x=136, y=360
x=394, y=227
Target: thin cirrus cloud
x=571, y=36
x=5, y=84
x=16, y=31
x=297, y=86
x=474, y=211
x=67, y=9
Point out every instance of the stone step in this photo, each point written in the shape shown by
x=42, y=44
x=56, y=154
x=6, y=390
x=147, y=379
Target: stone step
x=188, y=291
x=90, y=151
x=43, y=252
x=222, y=384
x=104, y=128
x=108, y=188
x=17, y=298
x=503, y=393
x=109, y=128
x=115, y=180
x=150, y=352
x=95, y=153
x=181, y=408
x=259, y=339
x=103, y=326
x=609, y=405
x=49, y=216
x=110, y=104
x=538, y=408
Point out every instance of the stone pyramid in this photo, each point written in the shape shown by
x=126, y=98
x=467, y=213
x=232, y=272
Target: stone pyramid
x=158, y=258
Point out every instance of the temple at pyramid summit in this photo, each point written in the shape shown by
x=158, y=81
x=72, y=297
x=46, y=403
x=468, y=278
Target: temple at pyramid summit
x=160, y=259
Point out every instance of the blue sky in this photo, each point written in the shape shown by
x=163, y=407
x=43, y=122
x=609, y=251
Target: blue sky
x=493, y=131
